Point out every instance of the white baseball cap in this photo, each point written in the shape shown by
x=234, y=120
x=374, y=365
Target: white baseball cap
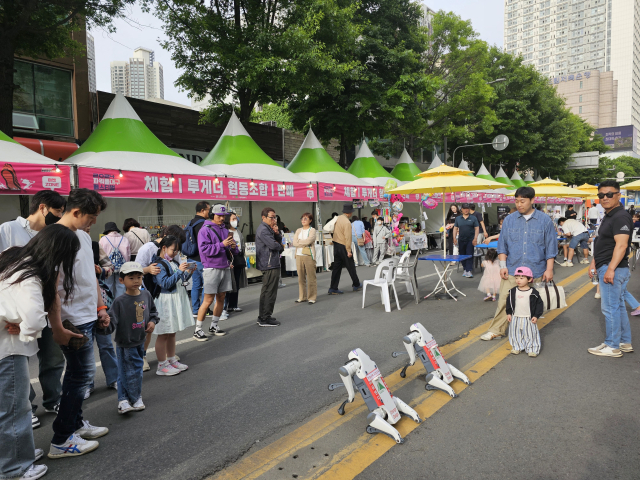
x=131, y=267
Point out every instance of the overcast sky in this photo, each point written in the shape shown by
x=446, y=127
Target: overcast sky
x=144, y=30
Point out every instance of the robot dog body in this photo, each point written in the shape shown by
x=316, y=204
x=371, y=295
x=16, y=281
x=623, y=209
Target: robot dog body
x=439, y=373
x=360, y=371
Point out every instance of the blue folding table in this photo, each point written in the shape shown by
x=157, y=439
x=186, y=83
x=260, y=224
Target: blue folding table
x=445, y=262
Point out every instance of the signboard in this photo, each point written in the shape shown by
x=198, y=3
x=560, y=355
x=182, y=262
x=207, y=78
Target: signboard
x=190, y=187
x=503, y=210
x=619, y=138
x=194, y=156
x=28, y=179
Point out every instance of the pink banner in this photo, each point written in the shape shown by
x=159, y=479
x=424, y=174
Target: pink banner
x=191, y=187
x=30, y=178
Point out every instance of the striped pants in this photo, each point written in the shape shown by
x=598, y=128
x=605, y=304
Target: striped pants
x=524, y=335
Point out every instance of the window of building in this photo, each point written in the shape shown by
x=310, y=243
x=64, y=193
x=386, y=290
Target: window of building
x=44, y=92
x=579, y=109
x=580, y=100
x=580, y=83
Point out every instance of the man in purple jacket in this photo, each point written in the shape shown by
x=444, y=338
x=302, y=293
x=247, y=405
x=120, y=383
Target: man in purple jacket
x=216, y=247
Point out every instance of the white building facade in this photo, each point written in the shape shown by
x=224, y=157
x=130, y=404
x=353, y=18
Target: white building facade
x=566, y=38
x=91, y=62
x=141, y=77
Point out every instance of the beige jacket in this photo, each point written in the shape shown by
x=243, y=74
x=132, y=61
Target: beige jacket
x=304, y=242
x=342, y=232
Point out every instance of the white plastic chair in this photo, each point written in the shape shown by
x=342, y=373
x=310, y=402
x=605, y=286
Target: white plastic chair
x=405, y=273
x=385, y=277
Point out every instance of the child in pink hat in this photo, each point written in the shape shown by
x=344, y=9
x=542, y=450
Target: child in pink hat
x=524, y=307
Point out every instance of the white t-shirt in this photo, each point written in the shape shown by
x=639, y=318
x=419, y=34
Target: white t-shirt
x=593, y=213
x=573, y=227
x=82, y=306
x=16, y=233
x=304, y=234
x=527, y=217
x=523, y=307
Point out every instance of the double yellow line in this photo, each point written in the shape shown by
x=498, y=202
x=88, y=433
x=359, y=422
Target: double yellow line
x=353, y=459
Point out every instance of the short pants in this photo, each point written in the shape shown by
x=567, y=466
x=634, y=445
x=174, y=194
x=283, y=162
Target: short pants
x=217, y=280
x=582, y=239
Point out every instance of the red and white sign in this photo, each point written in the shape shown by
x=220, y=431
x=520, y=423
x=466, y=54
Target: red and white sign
x=191, y=187
x=28, y=178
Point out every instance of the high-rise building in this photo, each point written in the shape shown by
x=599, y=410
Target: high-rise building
x=564, y=39
x=91, y=62
x=141, y=77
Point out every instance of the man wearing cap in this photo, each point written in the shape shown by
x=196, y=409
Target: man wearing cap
x=216, y=247
x=478, y=215
x=528, y=239
x=465, y=235
x=268, y=249
x=342, y=255
x=118, y=250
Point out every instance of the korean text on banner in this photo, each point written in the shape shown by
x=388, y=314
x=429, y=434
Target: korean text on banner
x=155, y=185
x=28, y=179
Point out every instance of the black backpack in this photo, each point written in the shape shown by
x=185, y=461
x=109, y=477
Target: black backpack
x=150, y=280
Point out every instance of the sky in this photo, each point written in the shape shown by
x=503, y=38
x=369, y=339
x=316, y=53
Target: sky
x=141, y=29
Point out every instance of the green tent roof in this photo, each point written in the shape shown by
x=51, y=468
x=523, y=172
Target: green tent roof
x=517, y=180
x=502, y=178
x=366, y=167
x=484, y=173
x=528, y=179
x=405, y=170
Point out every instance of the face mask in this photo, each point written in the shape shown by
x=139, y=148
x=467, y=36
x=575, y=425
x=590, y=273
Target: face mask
x=167, y=257
x=234, y=223
x=50, y=219
x=380, y=223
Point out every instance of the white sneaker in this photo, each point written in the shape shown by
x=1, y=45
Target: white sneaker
x=180, y=366
x=89, y=432
x=145, y=365
x=34, y=472
x=489, y=336
x=124, y=407
x=585, y=261
x=88, y=392
x=224, y=315
x=35, y=421
x=138, y=406
x=39, y=453
x=167, y=370
x=73, y=447
x=597, y=295
x=567, y=264
x=605, y=351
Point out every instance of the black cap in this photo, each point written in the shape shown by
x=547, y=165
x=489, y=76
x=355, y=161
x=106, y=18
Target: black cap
x=347, y=208
x=464, y=205
x=110, y=227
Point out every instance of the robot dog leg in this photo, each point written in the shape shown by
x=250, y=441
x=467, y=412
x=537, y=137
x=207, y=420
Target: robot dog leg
x=439, y=373
x=361, y=373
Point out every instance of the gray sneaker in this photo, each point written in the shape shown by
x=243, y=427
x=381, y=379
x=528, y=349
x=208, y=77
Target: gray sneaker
x=89, y=432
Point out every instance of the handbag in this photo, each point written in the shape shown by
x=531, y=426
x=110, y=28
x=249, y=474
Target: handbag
x=553, y=297
x=360, y=241
x=330, y=226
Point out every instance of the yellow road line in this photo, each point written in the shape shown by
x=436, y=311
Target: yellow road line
x=261, y=461
x=368, y=448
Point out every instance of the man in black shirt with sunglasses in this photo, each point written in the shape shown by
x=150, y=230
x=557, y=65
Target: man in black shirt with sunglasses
x=612, y=267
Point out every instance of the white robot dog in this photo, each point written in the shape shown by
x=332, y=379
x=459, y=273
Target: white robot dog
x=385, y=408
x=439, y=373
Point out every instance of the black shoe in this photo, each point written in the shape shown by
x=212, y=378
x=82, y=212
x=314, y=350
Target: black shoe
x=217, y=331
x=200, y=336
x=269, y=322
x=358, y=288
x=333, y=291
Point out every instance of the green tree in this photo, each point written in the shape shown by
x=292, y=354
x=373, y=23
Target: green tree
x=375, y=92
x=273, y=113
x=246, y=52
x=44, y=28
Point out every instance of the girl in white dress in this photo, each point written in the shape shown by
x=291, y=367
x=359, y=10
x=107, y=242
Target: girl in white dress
x=490, y=281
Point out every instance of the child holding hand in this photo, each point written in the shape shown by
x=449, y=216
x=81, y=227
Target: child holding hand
x=524, y=307
x=133, y=316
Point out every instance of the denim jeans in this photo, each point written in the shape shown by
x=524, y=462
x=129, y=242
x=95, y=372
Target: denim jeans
x=197, y=287
x=130, y=373
x=613, y=307
x=113, y=282
x=631, y=300
x=81, y=368
x=16, y=434
x=51, y=367
x=107, y=358
x=363, y=253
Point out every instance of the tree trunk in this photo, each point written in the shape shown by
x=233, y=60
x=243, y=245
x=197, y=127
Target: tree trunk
x=343, y=151
x=7, y=67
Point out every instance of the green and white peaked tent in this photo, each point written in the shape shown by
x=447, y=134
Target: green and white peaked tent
x=517, y=181
x=405, y=170
x=539, y=179
x=528, y=179
x=313, y=163
x=14, y=152
x=464, y=165
x=366, y=167
x=237, y=155
x=436, y=162
x=122, y=141
x=484, y=173
x=502, y=178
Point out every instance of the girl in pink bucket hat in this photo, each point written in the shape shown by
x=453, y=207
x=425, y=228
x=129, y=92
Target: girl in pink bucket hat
x=524, y=307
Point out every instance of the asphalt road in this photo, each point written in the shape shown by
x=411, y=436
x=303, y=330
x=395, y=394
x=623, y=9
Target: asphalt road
x=257, y=385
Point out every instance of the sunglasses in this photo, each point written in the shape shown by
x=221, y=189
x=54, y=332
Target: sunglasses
x=608, y=195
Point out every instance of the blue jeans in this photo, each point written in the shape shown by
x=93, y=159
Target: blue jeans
x=197, y=287
x=107, y=358
x=16, y=434
x=113, y=282
x=613, y=307
x=130, y=373
x=363, y=253
x=465, y=247
x=51, y=367
x=582, y=239
x=631, y=300
x=81, y=368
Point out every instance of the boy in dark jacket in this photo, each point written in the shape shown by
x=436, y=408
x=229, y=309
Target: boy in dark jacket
x=524, y=307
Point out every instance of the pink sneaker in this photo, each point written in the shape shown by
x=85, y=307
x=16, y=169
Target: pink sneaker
x=487, y=298
x=167, y=370
x=180, y=366
x=636, y=312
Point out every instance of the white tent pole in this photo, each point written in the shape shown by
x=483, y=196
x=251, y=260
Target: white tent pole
x=444, y=232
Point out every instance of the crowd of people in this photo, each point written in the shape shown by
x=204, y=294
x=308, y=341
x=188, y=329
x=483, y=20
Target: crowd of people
x=60, y=290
